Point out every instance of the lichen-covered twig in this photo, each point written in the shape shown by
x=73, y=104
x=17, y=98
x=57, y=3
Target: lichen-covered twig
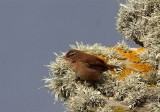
x=126, y=88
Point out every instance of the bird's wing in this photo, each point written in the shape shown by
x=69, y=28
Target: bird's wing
x=96, y=64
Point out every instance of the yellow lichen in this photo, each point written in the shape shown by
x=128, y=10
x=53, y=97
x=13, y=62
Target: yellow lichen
x=124, y=73
x=143, y=67
x=131, y=62
x=130, y=55
x=141, y=49
x=103, y=58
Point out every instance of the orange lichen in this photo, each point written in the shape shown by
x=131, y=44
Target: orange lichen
x=103, y=58
x=141, y=49
x=124, y=73
x=130, y=55
x=143, y=67
x=131, y=62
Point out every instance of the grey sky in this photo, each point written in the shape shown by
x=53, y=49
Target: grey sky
x=30, y=30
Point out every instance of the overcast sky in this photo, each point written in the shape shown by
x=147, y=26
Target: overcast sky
x=31, y=30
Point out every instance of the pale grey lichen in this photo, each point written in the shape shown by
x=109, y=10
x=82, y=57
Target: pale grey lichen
x=136, y=90
x=88, y=99
x=104, y=109
x=131, y=89
x=155, y=105
x=95, y=97
x=123, y=45
x=65, y=85
x=60, y=81
x=139, y=20
x=144, y=55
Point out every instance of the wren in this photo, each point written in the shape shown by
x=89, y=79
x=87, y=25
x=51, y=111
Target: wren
x=86, y=66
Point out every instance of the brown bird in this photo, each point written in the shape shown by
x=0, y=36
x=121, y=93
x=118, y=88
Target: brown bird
x=87, y=67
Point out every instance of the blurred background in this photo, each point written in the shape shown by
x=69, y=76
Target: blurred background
x=31, y=30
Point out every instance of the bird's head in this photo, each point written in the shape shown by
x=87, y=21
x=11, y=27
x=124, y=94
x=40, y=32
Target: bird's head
x=71, y=55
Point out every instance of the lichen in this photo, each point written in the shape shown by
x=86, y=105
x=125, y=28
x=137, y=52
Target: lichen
x=130, y=55
x=87, y=98
x=142, y=67
x=136, y=80
x=139, y=21
x=128, y=84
